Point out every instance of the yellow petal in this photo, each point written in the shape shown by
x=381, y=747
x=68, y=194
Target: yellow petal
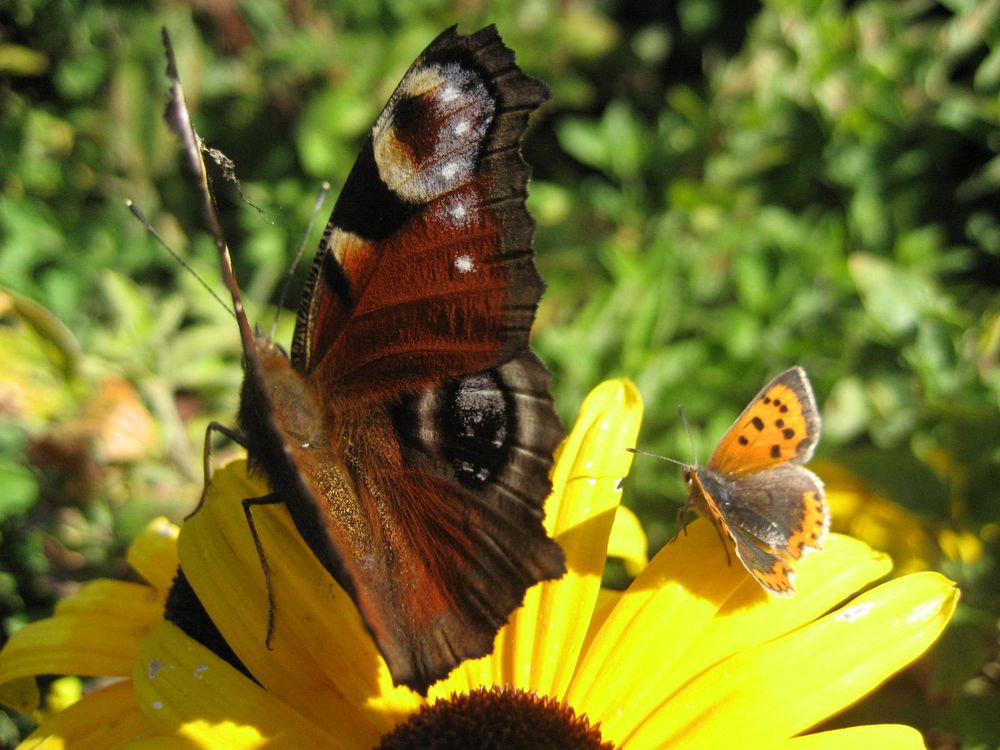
x=607, y=600
x=752, y=616
x=164, y=743
x=102, y=720
x=20, y=694
x=818, y=669
x=655, y=620
x=187, y=691
x=153, y=553
x=95, y=632
x=748, y=617
x=326, y=665
x=628, y=541
x=881, y=736
x=538, y=649
x=63, y=692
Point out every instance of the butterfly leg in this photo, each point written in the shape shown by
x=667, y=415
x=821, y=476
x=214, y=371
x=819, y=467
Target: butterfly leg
x=248, y=504
x=206, y=456
x=681, y=521
x=723, y=536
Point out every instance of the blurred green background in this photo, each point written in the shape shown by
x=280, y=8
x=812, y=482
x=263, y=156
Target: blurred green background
x=722, y=190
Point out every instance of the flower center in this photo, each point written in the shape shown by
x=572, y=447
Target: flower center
x=499, y=717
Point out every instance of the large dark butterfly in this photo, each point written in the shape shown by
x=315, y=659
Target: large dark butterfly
x=410, y=433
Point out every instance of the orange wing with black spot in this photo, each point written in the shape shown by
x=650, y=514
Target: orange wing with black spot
x=780, y=425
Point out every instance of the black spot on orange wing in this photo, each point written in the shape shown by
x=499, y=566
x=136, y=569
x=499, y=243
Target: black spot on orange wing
x=783, y=414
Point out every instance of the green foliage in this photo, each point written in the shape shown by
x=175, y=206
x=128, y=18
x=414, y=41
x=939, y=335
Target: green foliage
x=722, y=190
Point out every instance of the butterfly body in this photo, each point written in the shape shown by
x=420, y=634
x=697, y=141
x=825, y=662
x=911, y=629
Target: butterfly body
x=410, y=431
x=755, y=489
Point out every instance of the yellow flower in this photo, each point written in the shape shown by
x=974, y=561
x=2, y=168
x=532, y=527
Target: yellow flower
x=866, y=514
x=692, y=654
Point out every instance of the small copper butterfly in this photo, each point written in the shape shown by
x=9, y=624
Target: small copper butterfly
x=756, y=490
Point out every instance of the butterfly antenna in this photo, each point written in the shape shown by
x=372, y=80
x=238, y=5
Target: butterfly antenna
x=178, y=119
x=173, y=253
x=320, y=200
x=640, y=452
x=687, y=429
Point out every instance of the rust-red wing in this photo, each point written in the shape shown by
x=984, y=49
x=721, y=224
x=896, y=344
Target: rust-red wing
x=780, y=425
x=445, y=575
x=426, y=271
x=435, y=535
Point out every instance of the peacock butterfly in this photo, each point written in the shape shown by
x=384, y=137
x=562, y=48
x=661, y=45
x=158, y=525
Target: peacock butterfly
x=410, y=432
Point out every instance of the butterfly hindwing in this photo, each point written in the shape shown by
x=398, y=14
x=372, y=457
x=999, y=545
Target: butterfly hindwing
x=770, y=570
x=780, y=425
x=782, y=508
x=480, y=446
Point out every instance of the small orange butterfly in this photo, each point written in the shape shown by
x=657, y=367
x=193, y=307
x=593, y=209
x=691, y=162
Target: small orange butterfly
x=755, y=489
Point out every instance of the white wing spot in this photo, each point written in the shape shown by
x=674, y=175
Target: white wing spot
x=449, y=170
x=464, y=264
x=155, y=665
x=157, y=705
x=462, y=128
x=200, y=670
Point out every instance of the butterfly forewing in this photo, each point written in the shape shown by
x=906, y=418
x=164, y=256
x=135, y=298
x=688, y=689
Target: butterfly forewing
x=425, y=271
x=781, y=424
